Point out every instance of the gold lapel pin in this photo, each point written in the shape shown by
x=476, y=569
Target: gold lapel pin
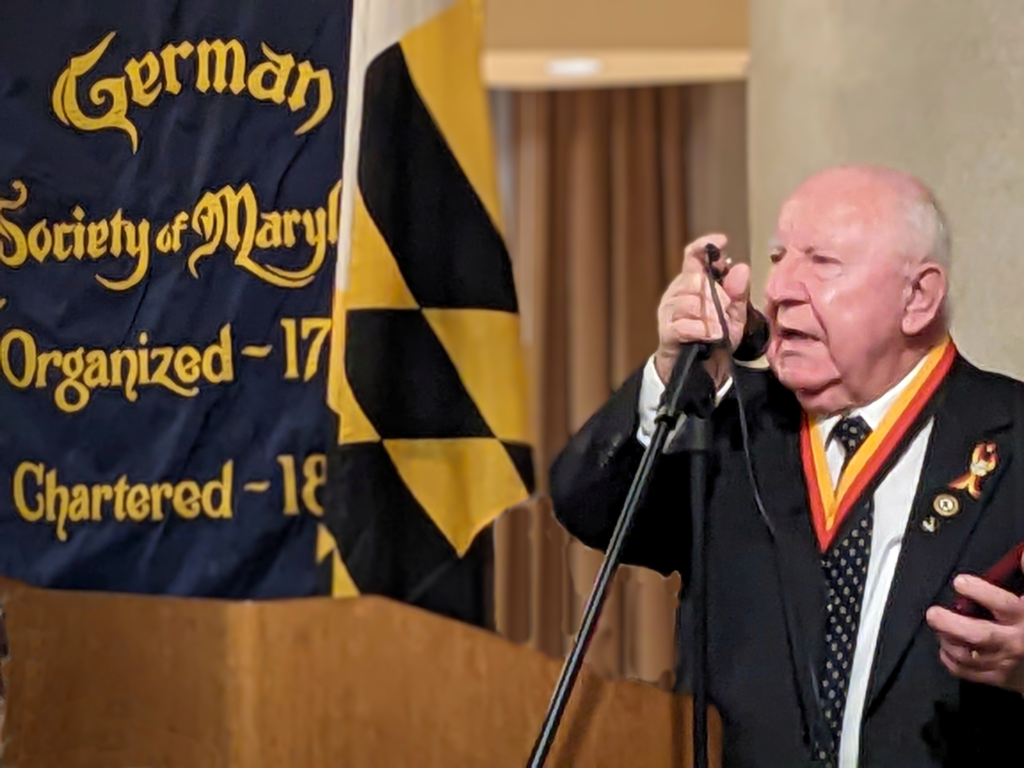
x=946, y=505
x=930, y=524
x=984, y=460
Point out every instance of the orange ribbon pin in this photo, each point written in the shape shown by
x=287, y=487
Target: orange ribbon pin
x=983, y=461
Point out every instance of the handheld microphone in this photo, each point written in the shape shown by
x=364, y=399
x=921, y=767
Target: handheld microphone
x=754, y=343
x=690, y=389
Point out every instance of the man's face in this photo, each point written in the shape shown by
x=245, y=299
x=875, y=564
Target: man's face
x=836, y=293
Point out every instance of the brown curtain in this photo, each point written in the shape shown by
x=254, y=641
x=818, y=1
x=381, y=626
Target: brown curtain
x=606, y=188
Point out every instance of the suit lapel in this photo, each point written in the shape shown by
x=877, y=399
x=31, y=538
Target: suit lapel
x=777, y=467
x=934, y=541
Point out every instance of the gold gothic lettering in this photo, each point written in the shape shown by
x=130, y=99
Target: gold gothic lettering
x=40, y=496
x=228, y=218
x=74, y=374
x=218, y=65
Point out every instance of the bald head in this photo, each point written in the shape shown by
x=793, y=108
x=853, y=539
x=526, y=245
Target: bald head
x=858, y=284
x=902, y=200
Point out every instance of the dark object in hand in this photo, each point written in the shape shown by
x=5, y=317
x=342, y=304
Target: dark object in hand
x=1006, y=574
x=714, y=255
x=755, y=335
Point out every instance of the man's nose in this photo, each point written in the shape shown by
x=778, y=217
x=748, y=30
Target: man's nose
x=785, y=283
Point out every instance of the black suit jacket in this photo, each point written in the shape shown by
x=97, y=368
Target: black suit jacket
x=765, y=586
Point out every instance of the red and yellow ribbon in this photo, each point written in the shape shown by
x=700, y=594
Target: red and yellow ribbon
x=829, y=507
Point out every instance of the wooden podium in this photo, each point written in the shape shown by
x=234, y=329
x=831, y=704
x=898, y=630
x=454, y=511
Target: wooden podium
x=120, y=681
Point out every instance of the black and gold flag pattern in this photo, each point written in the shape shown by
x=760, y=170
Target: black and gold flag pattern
x=426, y=367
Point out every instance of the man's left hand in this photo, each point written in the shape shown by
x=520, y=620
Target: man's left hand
x=988, y=652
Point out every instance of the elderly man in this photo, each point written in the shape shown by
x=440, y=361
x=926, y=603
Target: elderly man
x=887, y=465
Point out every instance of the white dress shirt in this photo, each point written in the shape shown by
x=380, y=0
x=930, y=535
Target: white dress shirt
x=893, y=500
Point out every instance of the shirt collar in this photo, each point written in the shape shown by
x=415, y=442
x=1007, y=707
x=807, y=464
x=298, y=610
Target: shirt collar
x=873, y=412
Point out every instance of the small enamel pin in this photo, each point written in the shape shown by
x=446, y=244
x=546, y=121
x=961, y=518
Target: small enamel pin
x=983, y=462
x=930, y=524
x=946, y=505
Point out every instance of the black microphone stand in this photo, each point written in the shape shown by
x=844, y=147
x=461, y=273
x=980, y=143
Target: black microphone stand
x=690, y=392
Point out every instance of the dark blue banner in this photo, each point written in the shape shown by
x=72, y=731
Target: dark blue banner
x=169, y=195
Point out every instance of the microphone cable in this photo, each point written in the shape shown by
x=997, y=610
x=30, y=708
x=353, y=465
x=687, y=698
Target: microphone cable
x=713, y=254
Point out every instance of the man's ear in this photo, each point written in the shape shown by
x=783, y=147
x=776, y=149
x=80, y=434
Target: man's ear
x=927, y=292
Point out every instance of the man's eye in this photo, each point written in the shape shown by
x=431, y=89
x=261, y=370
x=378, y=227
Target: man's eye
x=776, y=256
x=826, y=267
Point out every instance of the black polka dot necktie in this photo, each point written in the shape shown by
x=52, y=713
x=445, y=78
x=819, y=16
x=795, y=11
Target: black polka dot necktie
x=845, y=567
x=850, y=432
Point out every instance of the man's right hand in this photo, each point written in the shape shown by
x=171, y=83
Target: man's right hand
x=687, y=312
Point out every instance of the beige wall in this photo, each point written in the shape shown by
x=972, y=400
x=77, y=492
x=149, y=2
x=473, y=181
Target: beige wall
x=567, y=24
x=932, y=86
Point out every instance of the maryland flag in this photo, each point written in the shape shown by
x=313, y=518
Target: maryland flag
x=426, y=371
